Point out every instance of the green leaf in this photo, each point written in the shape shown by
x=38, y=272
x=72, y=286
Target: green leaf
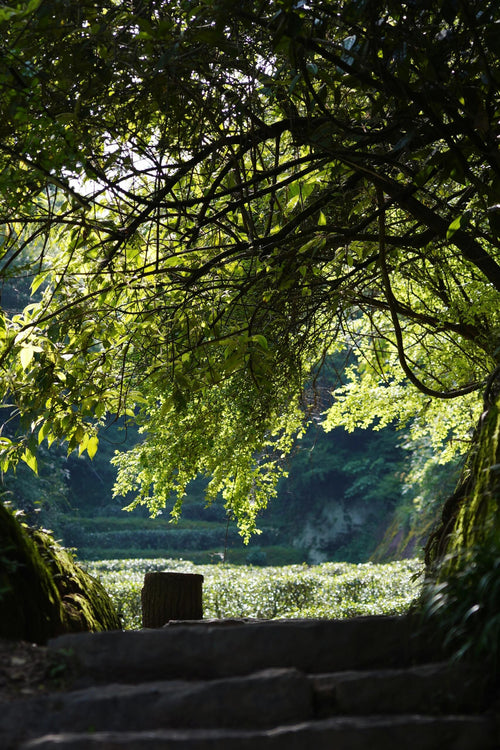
x=43, y=432
x=233, y=362
x=454, y=227
x=92, y=445
x=66, y=117
x=311, y=247
x=459, y=223
x=261, y=341
x=26, y=355
x=29, y=458
x=38, y=281
x=100, y=409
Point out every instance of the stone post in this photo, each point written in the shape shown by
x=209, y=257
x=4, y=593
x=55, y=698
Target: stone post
x=171, y=596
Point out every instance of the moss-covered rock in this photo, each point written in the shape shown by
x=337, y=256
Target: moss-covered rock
x=86, y=603
x=478, y=516
x=43, y=592
x=471, y=516
x=462, y=592
x=31, y=607
x=404, y=538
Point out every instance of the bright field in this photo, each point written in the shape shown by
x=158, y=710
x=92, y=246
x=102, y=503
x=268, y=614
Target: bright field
x=330, y=590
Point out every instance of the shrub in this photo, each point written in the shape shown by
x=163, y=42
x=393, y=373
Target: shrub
x=179, y=539
x=329, y=590
x=464, y=608
x=256, y=556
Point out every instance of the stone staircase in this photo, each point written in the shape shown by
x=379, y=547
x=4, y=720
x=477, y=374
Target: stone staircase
x=368, y=683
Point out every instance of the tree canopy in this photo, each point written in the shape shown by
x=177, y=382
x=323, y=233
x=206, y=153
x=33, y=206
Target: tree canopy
x=212, y=198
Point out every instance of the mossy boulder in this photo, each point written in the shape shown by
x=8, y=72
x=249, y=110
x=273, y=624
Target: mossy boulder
x=31, y=607
x=471, y=516
x=87, y=605
x=461, y=597
x=43, y=592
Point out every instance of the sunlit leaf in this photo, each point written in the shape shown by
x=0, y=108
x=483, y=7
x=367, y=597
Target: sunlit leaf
x=30, y=460
x=26, y=355
x=92, y=445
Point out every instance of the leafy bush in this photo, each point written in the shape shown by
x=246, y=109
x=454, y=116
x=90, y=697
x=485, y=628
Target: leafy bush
x=464, y=608
x=329, y=590
x=198, y=557
x=256, y=556
x=200, y=512
x=184, y=539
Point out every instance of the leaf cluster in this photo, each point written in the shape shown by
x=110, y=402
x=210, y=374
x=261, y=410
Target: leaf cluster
x=212, y=199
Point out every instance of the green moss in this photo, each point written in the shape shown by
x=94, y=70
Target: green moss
x=42, y=591
x=31, y=605
x=404, y=539
x=87, y=604
x=477, y=521
x=462, y=593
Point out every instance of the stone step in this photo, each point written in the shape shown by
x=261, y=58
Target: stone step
x=256, y=701
x=209, y=649
x=240, y=685
x=425, y=689
x=359, y=733
x=260, y=700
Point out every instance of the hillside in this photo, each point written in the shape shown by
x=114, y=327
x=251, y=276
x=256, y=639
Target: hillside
x=345, y=499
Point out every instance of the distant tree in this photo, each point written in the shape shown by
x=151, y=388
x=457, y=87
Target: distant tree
x=224, y=194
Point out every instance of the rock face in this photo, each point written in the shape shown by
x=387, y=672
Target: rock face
x=333, y=525
x=43, y=593
x=276, y=685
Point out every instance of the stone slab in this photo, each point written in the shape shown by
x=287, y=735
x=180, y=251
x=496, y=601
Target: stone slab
x=208, y=650
x=425, y=689
x=387, y=733
x=261, y=700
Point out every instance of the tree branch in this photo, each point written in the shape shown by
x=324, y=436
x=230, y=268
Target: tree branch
x=393, y=309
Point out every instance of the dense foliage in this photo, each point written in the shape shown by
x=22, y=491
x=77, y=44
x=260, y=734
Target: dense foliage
x=212, y=198
x=335, y=504
x=327, y=590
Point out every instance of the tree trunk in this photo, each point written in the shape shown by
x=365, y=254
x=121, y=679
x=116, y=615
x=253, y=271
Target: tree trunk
x=171, y=596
